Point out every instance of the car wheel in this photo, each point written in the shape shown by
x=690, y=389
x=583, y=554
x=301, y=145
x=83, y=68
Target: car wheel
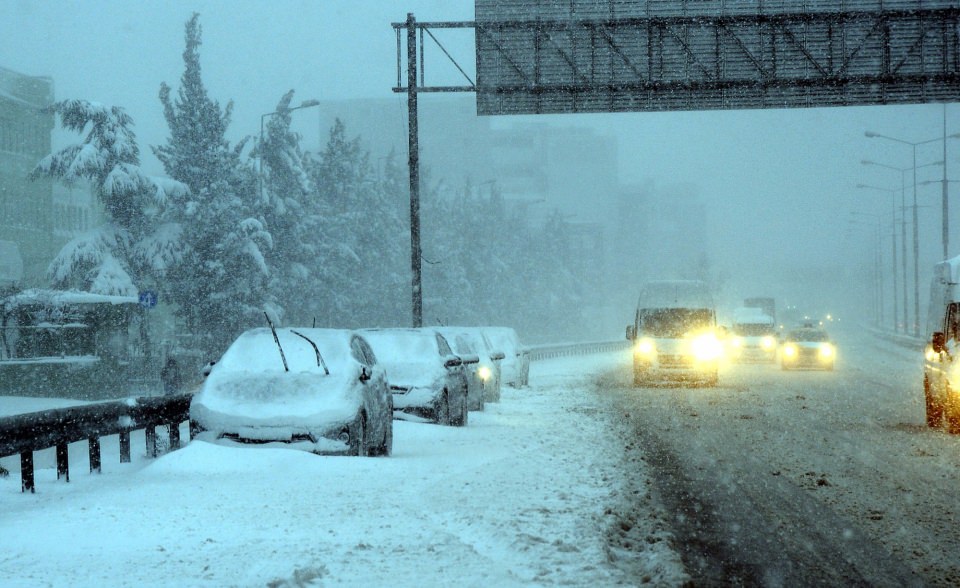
x=460, y=420
x=386, y=448
x=933, y=405
x=951, y=411
x=361, y=449
x=443, y=410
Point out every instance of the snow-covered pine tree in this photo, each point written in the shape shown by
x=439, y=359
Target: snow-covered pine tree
x=116, y=257
x=220, y=283
x=364, y=238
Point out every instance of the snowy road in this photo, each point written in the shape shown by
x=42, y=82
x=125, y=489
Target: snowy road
x=803, y=478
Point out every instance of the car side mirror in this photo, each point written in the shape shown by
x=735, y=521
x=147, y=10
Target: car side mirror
x=938, y=342
x=631, y=333
x=364, y=374
x=453, y=362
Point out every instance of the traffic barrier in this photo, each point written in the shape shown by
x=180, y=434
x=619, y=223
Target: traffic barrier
x=537, y=352
x=35, y=431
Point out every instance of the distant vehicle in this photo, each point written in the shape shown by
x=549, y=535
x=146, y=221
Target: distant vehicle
x=765, y=304
x=515, y=367
x=427, y=379
x=488, y=367
x=941, y=388
x=808, y=346
x=321, y=390
x=753, y=336
x=674, y=334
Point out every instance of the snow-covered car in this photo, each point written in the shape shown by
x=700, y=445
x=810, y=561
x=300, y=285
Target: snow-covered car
x=515, y=367
x=487, y=370
x=427, y=379
x=807, y=347
x=321, y=390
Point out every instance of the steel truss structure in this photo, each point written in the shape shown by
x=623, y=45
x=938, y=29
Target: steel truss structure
x=780, y=60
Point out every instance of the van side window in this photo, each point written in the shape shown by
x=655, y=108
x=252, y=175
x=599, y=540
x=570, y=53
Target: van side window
x=953, y=323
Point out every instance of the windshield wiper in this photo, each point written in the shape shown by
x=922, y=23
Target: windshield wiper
x=316, y=350
x=277, y=340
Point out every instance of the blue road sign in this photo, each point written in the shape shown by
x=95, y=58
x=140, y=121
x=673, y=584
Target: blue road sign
x=148, y=298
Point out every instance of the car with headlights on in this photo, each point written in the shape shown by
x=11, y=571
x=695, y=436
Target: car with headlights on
x=515, y=365
x=753, y=337
x=321, y=390
x=486, y=372
x=426, y=378
x=808, y=347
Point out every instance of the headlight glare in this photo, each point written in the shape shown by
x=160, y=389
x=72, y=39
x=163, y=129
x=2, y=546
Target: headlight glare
x=706, y=347
x=646, y=347
x=790, y=350
x=768, y=343
x=826, y=350
x=484, y=373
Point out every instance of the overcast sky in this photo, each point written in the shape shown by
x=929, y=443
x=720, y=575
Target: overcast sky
x=780, y=183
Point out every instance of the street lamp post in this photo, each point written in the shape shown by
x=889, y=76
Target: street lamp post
x=916, y=238
x=893, y=241
x=263, y=118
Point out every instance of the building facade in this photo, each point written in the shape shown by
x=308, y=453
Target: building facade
x=26, y=206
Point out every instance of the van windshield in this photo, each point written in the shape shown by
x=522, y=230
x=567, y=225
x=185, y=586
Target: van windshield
x=753, y=329
x=674, y=322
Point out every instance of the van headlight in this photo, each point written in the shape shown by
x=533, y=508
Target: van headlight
x=706, y=347
x=646, y=347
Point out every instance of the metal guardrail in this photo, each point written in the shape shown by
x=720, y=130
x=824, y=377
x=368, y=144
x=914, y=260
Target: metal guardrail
x=906, y=341
x=35, y=431
x=537, y=352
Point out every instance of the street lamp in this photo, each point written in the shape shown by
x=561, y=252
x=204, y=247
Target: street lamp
x=263, y=117
x=893, y=228
x=916, y=236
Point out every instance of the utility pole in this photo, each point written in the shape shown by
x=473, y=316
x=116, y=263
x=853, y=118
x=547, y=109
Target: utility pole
x=414, y=165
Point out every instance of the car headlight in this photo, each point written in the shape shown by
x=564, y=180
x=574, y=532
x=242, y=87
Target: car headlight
x=826, y=351
x=646, y=347
x=768, y=343
x=484, y=373
x=706, y=347
x=789, y=350
x=737, y=342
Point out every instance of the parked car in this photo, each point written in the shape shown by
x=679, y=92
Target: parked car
x=808, y=347
x=426, y=377
x=317, y=389
x=515, y=366
x=487, y=370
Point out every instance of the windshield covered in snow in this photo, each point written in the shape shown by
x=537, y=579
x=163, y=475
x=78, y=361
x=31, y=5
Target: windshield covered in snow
x=674, y=322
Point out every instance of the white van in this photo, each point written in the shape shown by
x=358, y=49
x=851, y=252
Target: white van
x=674, y=334
x=941, y=380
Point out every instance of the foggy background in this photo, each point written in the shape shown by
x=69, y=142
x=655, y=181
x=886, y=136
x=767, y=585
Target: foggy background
x=771, y=191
